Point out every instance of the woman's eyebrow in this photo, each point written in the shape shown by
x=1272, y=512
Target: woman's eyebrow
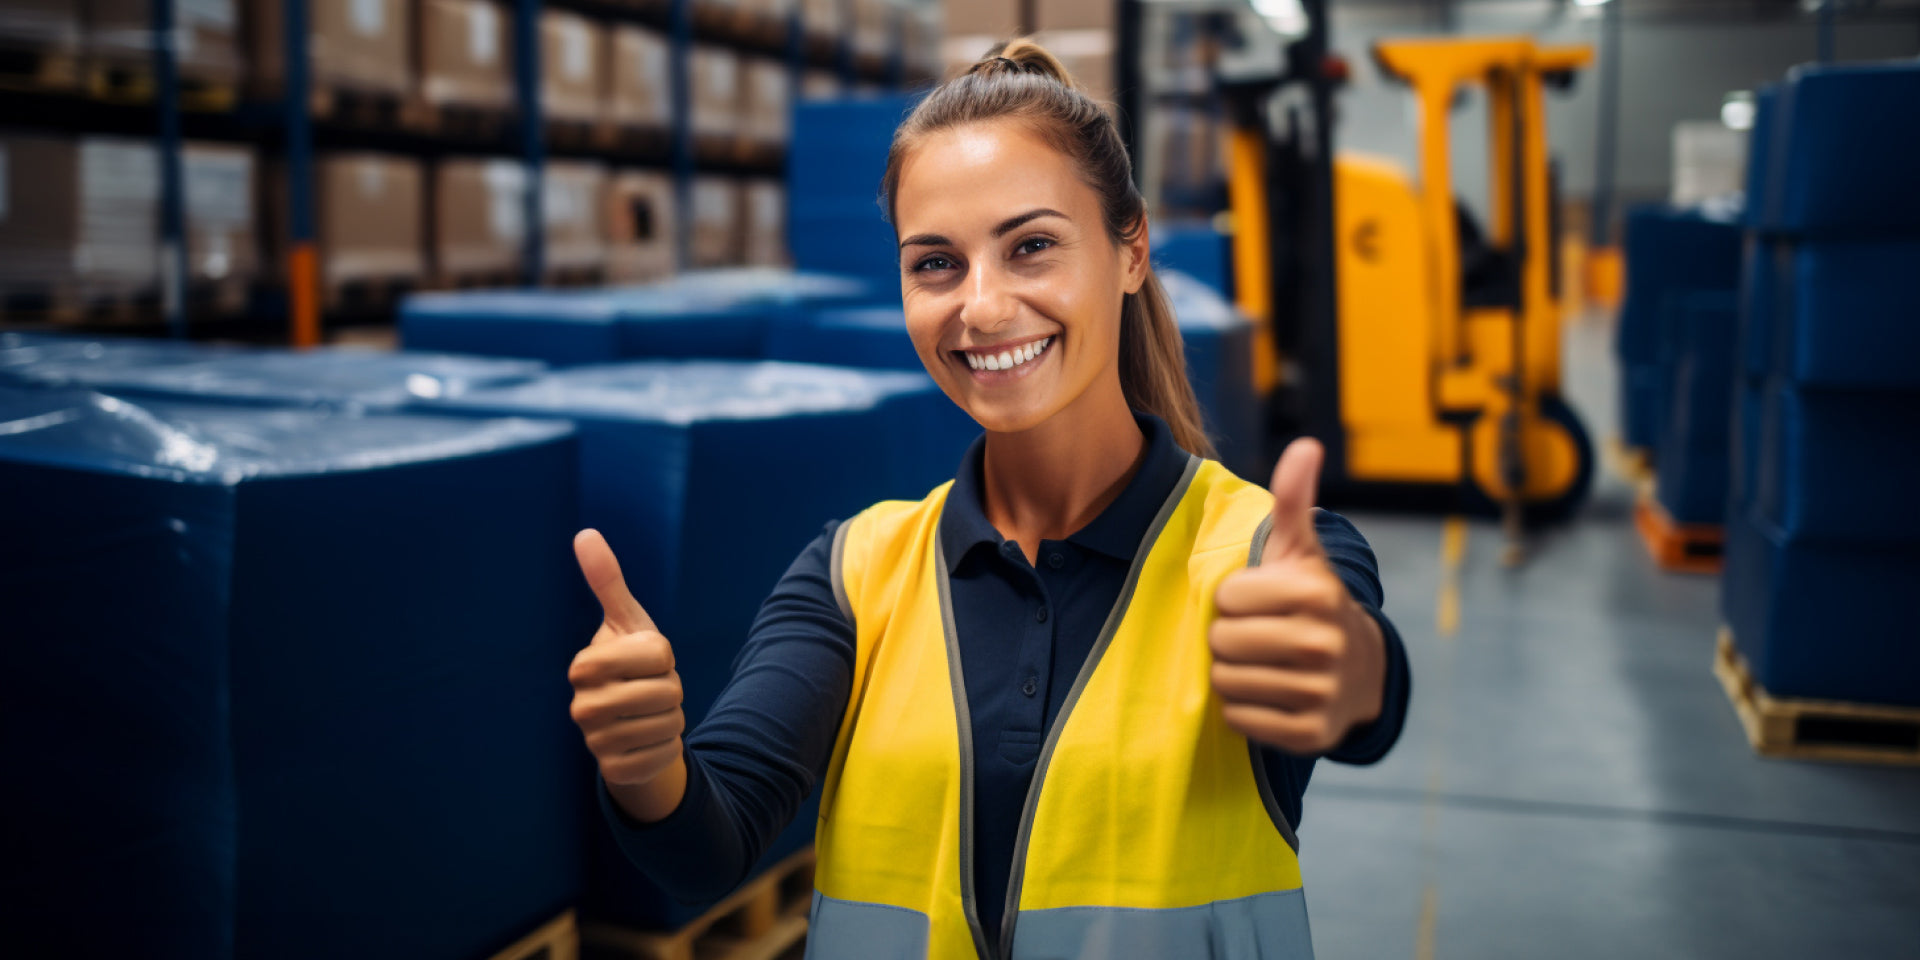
x=1005, y=227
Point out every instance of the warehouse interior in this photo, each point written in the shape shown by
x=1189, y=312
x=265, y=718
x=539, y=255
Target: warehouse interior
x=326, y=324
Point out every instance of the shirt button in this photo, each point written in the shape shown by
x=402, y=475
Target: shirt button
x=1040, y=614
x=1030, y=686
x=1056, y=561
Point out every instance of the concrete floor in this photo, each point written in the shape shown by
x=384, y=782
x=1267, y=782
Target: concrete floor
x=1572, y=781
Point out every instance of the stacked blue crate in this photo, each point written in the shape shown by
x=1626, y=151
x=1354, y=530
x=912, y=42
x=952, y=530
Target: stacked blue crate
x=708, y=314
x=707, y=479
x=1693, y=449
x=284, y=683
x=835, y=161
x=1671, y=254
x=30, y=357
x=347, y=379
x=1195, y=248
x=1823, y=543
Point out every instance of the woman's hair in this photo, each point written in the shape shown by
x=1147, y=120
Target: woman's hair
x=1020, y=80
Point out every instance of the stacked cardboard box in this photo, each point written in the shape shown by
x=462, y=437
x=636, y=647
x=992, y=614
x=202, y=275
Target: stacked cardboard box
x=47, y=28
x=78, y=215
x=763, y=206
x=875, y=28
x=715, y=82
x=641, y=227
x=1081, y=33
x=819, y=85
x=364, y=45
x=821, y=18
x=716, y=222
x=119, y=34
x=972, y=28
x=222, y=247
x=479, y=217
x=372, y=219
x=640, y=94
x=573, y=67
x=573, y=208
x=465, y=54
x=764, y=102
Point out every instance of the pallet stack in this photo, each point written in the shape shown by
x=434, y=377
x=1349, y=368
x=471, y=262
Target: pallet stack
x=1823, y=544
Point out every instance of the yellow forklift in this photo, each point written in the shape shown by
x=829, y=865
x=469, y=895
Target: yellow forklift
x=1423, y=350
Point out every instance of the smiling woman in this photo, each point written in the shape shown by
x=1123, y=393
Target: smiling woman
x=1067, y=704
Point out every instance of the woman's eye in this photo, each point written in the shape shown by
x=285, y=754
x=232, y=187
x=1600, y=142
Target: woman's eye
x=933, y=263
x=1033, y=245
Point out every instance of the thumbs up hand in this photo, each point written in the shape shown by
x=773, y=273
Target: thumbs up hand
x=626, y=694
x=1296, y=661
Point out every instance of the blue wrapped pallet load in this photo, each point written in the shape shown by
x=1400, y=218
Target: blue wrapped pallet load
x=835, y=161
x=285, y=683
x=1829, y=400
x=1693, y=450
x=348, y=379
x=708, y=478
x=704, y=314
x=32, y=357
x=1670, y=253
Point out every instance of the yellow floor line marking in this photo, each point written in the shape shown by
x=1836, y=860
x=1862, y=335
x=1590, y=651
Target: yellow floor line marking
x=1453, y=550
x=1429, y=918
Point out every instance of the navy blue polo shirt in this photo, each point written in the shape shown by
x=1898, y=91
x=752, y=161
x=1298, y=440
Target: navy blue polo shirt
x=1024, y=632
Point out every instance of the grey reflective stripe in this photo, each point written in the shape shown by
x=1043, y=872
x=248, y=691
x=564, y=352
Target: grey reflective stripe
x=850, y=930
x=964, y=720
x=1269, y=926
x=838, y=575
x=1011, y=918
x=1267, y=799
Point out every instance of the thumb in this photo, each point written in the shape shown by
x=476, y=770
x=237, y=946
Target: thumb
x=1296, y=482
x=623, y=613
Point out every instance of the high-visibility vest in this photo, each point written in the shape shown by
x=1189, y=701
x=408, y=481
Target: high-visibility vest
x=1150, y=829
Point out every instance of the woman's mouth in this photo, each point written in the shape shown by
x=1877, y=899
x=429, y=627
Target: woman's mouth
x=1007, y=363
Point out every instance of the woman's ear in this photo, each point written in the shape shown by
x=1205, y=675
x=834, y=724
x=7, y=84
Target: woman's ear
x=1135, y=259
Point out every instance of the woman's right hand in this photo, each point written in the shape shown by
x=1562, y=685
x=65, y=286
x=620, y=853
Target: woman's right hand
x=626, y=694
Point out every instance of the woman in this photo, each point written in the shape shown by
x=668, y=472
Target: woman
x=1067, y=705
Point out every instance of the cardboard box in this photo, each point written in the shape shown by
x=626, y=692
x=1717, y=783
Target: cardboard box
x=920, y=38
x=820, y=18
x=642, y=228
x=222, y=244
x=716, y=222
x=875, y=27
x=79, y=214
x=715, y=97
x=573, y=207
x=819, y=85
x=958, y=53
x=573, y=66
x=998, y=19
x=764, y=229
x=640, y=66
x=353, y=44
x=49, y=26
x=371, y=217
x=479, y=217
x=1051, y=15
x=765, y=105
x=466, y=54
x=1088, y=57
x=120, y=32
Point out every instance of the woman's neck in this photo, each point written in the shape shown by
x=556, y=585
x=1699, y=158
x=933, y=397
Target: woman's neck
x=1047, y=482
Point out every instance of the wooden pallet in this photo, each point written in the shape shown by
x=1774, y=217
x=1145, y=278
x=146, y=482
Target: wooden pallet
x=558, y=940
x=461, y=121
x=1633, y=464
x=132, y=81
x=1677, y=547
x=369, y=109
x=366, y=295
x=79, y=304
x=478, y=280
x=764, y=920
x=1815, y=729
x=38, y=69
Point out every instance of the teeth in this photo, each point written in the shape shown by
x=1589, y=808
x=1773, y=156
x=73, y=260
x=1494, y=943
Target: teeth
x=1008, y=359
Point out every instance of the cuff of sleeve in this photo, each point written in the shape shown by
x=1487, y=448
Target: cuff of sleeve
x=1369, y=743
x=669, y=846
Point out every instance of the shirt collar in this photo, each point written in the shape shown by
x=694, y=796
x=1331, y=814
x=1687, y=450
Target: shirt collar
x=1116, y=532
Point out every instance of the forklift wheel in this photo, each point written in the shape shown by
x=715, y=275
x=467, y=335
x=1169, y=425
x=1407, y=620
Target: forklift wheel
x=1562, y=506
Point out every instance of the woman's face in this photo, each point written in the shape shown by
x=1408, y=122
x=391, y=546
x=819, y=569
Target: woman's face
x=1012, y=287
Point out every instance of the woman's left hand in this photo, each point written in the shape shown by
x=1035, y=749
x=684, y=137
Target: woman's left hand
x=1298, y=663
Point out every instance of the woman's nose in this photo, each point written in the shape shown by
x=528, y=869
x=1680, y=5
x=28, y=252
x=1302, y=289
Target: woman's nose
x=988, y=299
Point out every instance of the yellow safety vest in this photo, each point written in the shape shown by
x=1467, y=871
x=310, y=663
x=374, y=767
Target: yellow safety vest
x=1149, y=831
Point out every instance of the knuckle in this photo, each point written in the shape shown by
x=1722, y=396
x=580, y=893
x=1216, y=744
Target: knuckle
x=582, y=714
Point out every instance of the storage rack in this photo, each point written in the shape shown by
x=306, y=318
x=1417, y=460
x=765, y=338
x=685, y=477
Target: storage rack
x=285, y=128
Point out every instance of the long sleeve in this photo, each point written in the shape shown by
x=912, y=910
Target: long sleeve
x=762, y=748
x=1352, y=559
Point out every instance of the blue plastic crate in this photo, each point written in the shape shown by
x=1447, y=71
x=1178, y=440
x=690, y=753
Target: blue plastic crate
x=1840, y=466
x=1844, y=314
x=1670, y=252
x=1197, y=250
x=285, y=683
x=1840, y=151
x=1779, y=598
x=560, y=328
x=346, y=378
x=835, y=162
